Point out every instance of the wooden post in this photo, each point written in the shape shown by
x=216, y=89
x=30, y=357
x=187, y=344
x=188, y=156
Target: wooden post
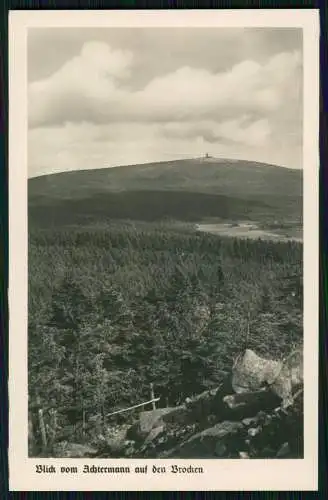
x=167, y=402
x=83, y=423
x=42, y=426
x=55, y=422
x=248, y=329
x=152, y=395
x=31, y=439
x=53, y=425
x=103, y=418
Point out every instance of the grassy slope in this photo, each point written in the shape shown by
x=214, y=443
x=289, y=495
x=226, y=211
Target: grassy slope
x=186, y=190
x=233, y=178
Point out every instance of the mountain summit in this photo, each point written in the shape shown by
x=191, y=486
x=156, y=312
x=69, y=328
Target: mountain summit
x=220, y=176
x=185, y=190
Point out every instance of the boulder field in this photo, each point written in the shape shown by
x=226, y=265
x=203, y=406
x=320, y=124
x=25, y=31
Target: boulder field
x=256, y=412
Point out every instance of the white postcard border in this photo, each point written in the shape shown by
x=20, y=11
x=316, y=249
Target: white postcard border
x=219, y=475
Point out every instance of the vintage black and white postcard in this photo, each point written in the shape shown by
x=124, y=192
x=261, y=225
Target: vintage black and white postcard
x=163, y=250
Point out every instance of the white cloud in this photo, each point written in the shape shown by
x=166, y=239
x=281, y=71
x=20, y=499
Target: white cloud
x=253, y=134
x=80, y=88
x=89, y=88
x=87, y=114
x=243, y=130
x=87, y=146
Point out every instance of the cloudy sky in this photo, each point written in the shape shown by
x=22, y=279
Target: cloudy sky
x=107, y=97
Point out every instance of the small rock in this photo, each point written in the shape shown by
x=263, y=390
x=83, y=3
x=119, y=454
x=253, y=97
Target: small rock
x=211, y=420
x=283, y=450
x=74, y=450
x=249, y=421
x=243, y=454
x=129, y=443
x=220, y=449
x=154, y=433
x=254, y=431
x=129, y=448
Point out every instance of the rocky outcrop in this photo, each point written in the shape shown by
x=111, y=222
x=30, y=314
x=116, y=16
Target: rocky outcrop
x=274, y=433
x=209, y=443
x=256, y=412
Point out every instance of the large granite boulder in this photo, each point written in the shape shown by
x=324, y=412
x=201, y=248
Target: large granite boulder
x=252, y=373
x=290, y=378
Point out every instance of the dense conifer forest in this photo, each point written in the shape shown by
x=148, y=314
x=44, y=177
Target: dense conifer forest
x=117, y=306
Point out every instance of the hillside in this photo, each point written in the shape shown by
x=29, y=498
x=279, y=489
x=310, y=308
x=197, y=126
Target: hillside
x=125, y=294
x=231, y=178
x=185, y=190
